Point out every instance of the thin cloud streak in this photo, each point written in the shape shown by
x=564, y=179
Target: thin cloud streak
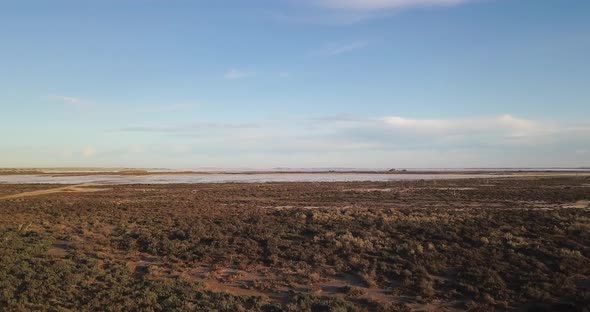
x=340, y=48
x=70, y=101
x=372, y=5
x=323, y=18
x=349, y=12
x=194, y=127
x=233, y=74
x=501, y=123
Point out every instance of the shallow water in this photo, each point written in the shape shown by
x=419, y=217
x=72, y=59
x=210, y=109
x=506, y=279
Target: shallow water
x=237, y=178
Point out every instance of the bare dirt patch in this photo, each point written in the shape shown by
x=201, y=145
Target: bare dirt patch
x=81, y=188
x=581, y=204
x=59, y=249
x=367, y=190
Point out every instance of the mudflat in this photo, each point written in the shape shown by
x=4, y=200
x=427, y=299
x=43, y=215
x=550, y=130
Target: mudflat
x=481, y=244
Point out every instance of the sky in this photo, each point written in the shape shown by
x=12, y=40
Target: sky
x=295, y=83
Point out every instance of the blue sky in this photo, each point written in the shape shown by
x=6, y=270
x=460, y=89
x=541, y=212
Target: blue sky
x=307, y=83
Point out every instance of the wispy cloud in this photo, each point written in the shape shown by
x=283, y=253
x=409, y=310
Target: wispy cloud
x=348, y=140
x=403, y=132
x=168, y=108
x=70, y=101
x=340, y=48
x=341, y=117
x=123, y=108
x=233, y=74
x=326, y=17
x=389, y=132
x=348, y=12
x=372, y=5
x=508, y=124
x=189, y=128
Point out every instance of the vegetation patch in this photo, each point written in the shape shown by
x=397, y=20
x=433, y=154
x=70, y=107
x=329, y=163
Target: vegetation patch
x=225, y=247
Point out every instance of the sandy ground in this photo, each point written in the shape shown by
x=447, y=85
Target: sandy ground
x=80, y=188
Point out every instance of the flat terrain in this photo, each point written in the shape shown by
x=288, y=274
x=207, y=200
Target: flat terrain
x=519, y=243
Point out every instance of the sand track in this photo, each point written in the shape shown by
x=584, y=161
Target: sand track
x=79, y=188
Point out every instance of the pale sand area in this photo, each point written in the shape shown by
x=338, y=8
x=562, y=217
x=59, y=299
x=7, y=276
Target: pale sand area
x=81, y=188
